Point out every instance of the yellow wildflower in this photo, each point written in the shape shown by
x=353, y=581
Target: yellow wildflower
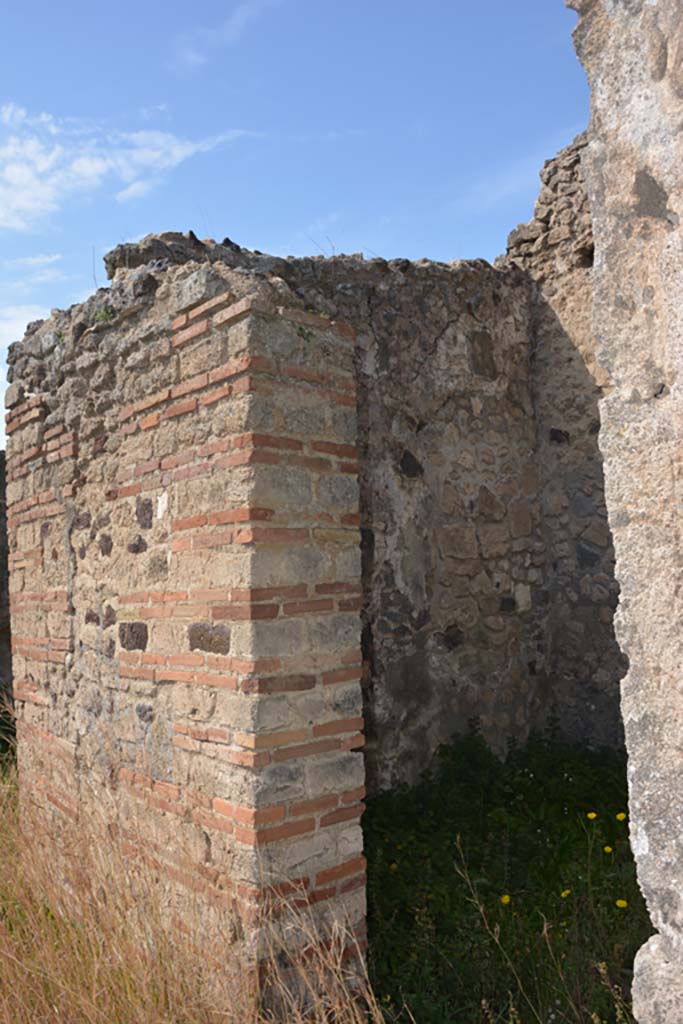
x=505, y=899
x=621, y=816
x=591, y=815
x=608, y=849
x=622, y=904
x=393, y=867
x=565, y=893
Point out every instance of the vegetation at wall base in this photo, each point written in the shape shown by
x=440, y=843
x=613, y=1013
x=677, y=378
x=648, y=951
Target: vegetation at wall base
x=502, y=892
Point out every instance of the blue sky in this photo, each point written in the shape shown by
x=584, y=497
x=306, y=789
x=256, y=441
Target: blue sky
x=292, y=126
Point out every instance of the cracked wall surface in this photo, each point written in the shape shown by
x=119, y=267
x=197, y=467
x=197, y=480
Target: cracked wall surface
x=633, y=55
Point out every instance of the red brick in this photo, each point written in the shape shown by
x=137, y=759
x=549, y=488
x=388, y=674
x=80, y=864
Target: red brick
x=192, y=472
x=167, y=789
x=248, y=758
x=211, y=821
x=271, y=535
x=194, y=331
x=168, y=596
x=210, y=594
x=185, y=743
x=250, y=815
x=342, y=451
x=353, y=796
x=352, y=742
x=153, y=659
x=320, y=803
x=257, y=837
x=349, y=867
x=236, y=311
x=216, y=395
x=353, y=883
x=173, y=675
x=221, y=682
x=179, y=409
x=146, y=467
x=241, y=365
x=181, y=544
x=248, y=612
x=213, y=540
x=130, y=490
x=343, y=814
x=251, y=440
x=188, y=660
x=279, y=684
x=342, y=675
x=179, y=322
x=188, y=386
x=211, y=305
x=240, y=515
x=217, y=735
x=265, y=741
x=153, y=420
x=303, y=607
x=340, y=725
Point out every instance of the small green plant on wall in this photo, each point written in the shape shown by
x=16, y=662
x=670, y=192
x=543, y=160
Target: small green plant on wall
x=104, y=315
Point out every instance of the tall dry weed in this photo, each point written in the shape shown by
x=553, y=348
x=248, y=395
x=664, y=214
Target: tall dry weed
x=85, y=939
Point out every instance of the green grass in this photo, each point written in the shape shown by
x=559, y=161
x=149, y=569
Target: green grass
x=441, y=857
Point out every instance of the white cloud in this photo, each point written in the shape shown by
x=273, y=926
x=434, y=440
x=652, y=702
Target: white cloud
x=40, y=260
x=45, y=161
x=194, y=48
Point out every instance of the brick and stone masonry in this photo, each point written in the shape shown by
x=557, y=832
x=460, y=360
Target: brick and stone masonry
x=186, y=596
x=261, y=506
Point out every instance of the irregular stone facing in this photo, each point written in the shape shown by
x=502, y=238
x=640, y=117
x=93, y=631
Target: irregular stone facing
x=632, y=55
x=474, y=607
x=201, y=667
x=584, y=663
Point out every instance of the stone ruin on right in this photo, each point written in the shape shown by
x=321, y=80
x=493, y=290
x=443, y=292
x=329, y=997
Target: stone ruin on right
x=632, y=51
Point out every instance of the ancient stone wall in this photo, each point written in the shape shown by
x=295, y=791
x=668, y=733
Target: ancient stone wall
x=186, y=584
x=5, y=644
x=584, y=663
x=487, y=568
x=633, y=55
x=449, y=502
x=256, y=505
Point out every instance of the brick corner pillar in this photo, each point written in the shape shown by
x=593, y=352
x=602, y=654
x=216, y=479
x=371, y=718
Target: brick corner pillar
x=299, y=619
x=186, y=593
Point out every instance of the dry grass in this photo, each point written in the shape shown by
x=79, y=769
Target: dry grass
x=104, y=954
